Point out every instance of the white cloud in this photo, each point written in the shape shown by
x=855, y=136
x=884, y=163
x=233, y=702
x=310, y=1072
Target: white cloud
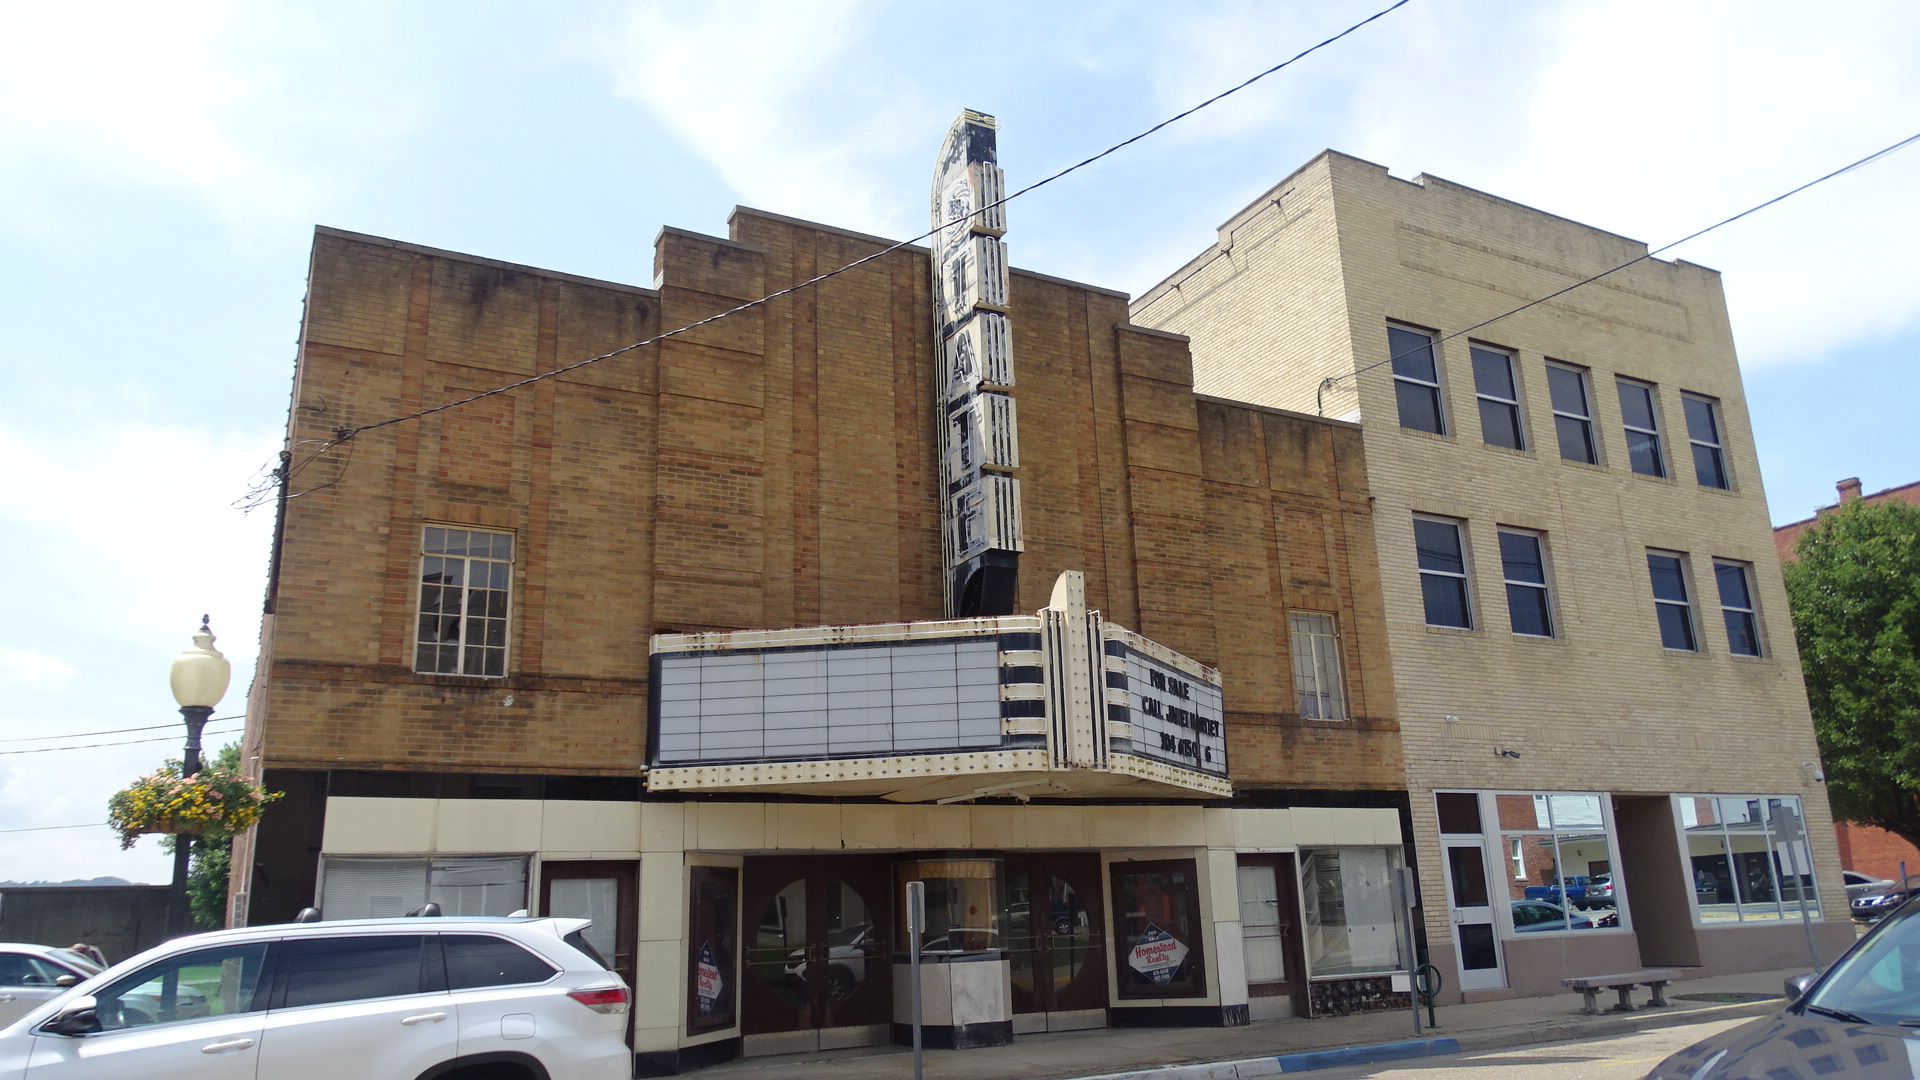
x=20, y=668
x=763, y=93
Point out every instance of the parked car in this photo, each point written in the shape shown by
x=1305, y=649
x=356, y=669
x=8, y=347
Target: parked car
x=1859, y=884
x=33, y=974
x=1530, y=916
x=1579, y=890
x=847, y=951
x=521, y=999
x=1858, y=1018
x=1876, y=902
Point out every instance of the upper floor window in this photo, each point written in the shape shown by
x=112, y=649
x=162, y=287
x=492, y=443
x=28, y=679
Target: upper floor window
x=1524, y=566
x=1703, y=431
x=1643, y=428
x=1736, y=606
x=1572, y=413
x=1499, y=396
x=1316, y=667
x=1416, y=380
x=1443, y=572
x=466, y=577
x=1670, y=599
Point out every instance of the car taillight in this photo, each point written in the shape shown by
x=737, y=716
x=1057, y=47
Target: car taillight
x=606, y=999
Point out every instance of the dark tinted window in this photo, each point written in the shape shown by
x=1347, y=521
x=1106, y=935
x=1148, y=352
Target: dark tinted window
x=579, y=941
x=475, y=960
x=322, y=970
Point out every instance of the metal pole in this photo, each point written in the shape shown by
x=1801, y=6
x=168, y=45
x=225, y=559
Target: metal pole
x=1786, y=823
x=179, y=918
x=916, y=922
x=1407, y=895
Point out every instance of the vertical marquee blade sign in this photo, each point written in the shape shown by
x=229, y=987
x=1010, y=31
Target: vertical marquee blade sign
x=979, y=444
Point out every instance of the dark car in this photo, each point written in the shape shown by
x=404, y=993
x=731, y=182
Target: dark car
x=1876, y=902
x=1861, y=1017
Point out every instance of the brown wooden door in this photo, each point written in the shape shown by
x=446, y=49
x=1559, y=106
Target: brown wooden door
x=1056, y=932
x=817, y=951
x=1270, y=929
x=604, y=890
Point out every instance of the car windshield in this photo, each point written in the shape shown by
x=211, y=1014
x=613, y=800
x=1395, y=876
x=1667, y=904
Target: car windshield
x=80, y=961
x=1879, y=983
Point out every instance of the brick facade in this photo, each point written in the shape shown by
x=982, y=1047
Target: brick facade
x=1290, y=308
x=776, y=468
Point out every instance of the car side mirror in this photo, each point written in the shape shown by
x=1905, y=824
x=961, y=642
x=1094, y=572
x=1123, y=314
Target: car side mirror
x=66, y=980
x=77, y=1018
x=1799, y=985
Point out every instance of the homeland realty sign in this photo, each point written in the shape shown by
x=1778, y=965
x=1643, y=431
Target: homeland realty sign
x=1157, y=955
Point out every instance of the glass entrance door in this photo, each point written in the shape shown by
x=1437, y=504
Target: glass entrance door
x=816, y=957
x=1463, y=845
x=1055, y=948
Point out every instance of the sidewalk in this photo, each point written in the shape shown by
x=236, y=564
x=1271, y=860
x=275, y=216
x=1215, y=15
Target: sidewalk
x=1214, y=1053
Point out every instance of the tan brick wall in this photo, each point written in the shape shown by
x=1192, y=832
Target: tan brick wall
x=776, y=468
x=1602, y=706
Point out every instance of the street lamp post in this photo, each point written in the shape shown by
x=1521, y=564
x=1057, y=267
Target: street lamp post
x=199, y=677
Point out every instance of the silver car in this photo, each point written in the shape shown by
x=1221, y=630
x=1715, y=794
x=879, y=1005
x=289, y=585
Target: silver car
x=31, y=975
x=512, y=999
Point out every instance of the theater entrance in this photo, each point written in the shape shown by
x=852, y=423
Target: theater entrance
x=1055, y=942
x=818, y=967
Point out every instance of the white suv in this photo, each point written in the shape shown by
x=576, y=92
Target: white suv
x=393, y=999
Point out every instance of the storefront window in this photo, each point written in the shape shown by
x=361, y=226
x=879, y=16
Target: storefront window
x=1560, y=859
x=713, y=911
x=1352, y=925
x=1748, y=856
x=1157, y=945
x=963, y=904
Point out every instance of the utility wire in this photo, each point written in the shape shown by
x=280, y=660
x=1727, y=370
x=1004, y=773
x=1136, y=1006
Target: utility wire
x=1328, y=383
x=93, y=746
x=119, y=731
x=345, y=434
x=51, y=828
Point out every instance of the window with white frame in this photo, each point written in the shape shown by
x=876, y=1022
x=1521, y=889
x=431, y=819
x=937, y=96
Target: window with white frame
x=1416, y=380
x=1572, y=413
x=1736, y=606
x=1562, y=849
x=1748, y=857
x=466, y=580
x=1642, y=423
x=1671, y=603
x=1499, y=396
x=1703, y=432
x=1316, y=666
x=380, y=886
x=1443, y=572
x=1523, y=563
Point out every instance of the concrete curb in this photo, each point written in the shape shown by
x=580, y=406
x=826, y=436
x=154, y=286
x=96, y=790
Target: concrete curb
x=1645, y=1019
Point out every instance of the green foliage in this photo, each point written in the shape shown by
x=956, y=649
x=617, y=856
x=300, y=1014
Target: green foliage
x=216, y=802
x=1855, y=593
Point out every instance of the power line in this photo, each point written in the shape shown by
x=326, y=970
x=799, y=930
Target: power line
x=1328, y=382
x=97, y=745
x=118, y=731
x=346, y=434
x=52, y=828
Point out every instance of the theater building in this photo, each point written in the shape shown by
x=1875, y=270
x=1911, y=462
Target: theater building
x=1609, y=758
x=934, y=570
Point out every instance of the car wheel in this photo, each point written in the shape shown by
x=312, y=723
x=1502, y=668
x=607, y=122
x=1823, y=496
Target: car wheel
x=840, y=984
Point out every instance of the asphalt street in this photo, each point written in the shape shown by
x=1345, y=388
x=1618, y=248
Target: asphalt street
x=1617, y=1057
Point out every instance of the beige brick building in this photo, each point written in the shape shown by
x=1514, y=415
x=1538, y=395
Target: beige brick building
x=506, y=640
x=1591, y=653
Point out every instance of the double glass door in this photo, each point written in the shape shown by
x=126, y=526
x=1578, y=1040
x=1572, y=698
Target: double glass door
x=817, y=956
x=1054, y=941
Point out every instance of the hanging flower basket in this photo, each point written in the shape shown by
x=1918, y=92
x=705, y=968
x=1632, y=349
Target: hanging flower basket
x=216, y=802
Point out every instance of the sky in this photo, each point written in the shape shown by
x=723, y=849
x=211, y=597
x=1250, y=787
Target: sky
x=162, y=168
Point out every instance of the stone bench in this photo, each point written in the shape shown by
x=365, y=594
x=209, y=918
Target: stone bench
x=1654, y=979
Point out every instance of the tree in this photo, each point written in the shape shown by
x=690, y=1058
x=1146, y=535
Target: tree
x=1854, y=587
